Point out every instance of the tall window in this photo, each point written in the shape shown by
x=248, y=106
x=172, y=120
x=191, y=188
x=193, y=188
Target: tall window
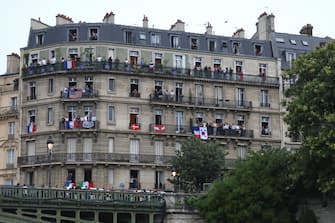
x=40, y=39
x=72, y=112
x=111, y=145
x=10, y=158
x=258, y=50
x=158, y=117
x=178, y=61
x=51, y=86
x=240, y=97
x=111, y=113
x=155, y=39
x=134, y=150
x=93, y=34
x=111, y=84
x=211, y=45
x=236, y=47
x=175, y=42
x=218, y=96
x=158, y=59
x=199, y=94
x=31, y=145
x=134, y=90
x=159, y=151
x=13, y=103
x=32, y=91
x=87, y=150
x=133, y=119
x=265, y=123
x=50, y=116
x=194, y=43
x=11, y=130
x=133, y=55
x=290, y=56
x=179, y=92
x=265, y=98
x=129, y=37
x=73, y=36
x=71, y=149
x=179, y=122
x=263, y=70
x=242, y=151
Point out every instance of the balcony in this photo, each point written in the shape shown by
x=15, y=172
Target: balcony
x=134, y=126
x=78, y=125
x=75, y=94
x=199, y=102
x=94, y=158
x=140, y=69
x=9, y=112
x=211, y=131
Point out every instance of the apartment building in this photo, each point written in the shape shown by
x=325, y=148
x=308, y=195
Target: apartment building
x=116, y=101
x=9, y=121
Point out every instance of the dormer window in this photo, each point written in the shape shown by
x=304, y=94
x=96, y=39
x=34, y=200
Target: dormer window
x=236, y=47
x=40, y=39
x=175, y=43
x=142, y=36
x=211, y=45
x=73, y=35
x=305, y=43
x=258, y=50
x=155, y=39
x=293, y=42
x=93, y=34
x=224, y=45
x=194, y=43
x=129, y=37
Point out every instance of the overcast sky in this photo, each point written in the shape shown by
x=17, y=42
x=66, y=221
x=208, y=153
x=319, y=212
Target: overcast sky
x=225, y=16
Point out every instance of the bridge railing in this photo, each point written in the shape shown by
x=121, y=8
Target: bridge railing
x=92, y=196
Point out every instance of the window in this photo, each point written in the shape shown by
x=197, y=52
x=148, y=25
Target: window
x=240, y=97
x=265, y=125
x=10, y=158
x=31, y=145
x=111, y=113
x=31, y=126
x=73, y=53
x=194, y=43
x=50, y=116
x=111, y=84
x=262, y=70
x=93, y=34
x=158, y=89
x=179, y=92
x=293, y=42
x=265, y=98
x=280, y=40
x=72, y=113
x=197, y=63
x=40, y=39
x=258, y=50
x=111, y=145
x=240, y=120
x=142, y=36
x=290, y=56
x=13, y=104
x=158, y=117
x=199, y=94
x=111, y=177
x=51, y=86
x=134, y=150
x=88, y=175
x=179, y=122
x=305, y=43
x=211, y=45
x=129, y=37
x=175, y=42
x=155, y=39
x=11, y=130
x=134, y=119
x=134, y=90
x=133, y=55
x=178, y=147
x=32, y=90
x=224, y=45
x=236, y=47
x=87, y=150
x=217, y=65
x=199, y=118
x=73, y=35
x=159, y=151
x=218, y=96
x=71, y=149
x=159, y=181
x=242, y=151
x=9, y=182
x=158, y=59
x=88, y=112
x=178, y=61
x=239, y=67
x=16, y=84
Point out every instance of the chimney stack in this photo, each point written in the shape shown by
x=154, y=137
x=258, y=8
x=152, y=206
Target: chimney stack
x=145, y=22
x=109, y=18
x=239, y=33
x=209, y=29
x=63, y=19
x=265, y=26
x=13, y=63
x=178, y=26
x=307, y=30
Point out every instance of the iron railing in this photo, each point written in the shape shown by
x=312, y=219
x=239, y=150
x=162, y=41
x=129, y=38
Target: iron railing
x=78, y=125
x=95, y=157
x=163, y=70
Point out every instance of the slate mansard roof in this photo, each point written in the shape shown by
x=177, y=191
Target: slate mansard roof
x=115, y=34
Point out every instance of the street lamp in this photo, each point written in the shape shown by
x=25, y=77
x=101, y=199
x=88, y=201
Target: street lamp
x=50, y=145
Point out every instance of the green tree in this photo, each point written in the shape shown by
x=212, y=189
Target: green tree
x=198, y=162
x=311, y=113
x=258, y=190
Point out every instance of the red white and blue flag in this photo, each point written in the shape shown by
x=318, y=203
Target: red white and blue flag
x=196, y=132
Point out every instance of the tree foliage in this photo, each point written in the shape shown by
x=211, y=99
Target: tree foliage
x=257, y=190
x=312, y=114
x=198, y=162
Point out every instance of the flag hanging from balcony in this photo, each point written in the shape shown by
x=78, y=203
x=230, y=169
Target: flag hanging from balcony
x=31, y=127
x=159, y=128
x=196, y=132
x=135, y=126
x=203, y=133
x=75, y=93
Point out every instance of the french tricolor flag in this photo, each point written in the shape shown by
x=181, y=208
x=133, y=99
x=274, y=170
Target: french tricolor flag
x=196, y=132
x=31, y=127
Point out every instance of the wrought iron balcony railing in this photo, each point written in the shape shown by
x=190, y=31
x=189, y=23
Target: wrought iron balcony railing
x=136, y=68
x=95, y=157
x=77, y=125
x=200, y=101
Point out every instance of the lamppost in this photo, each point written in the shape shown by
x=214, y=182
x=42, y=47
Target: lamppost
x=50, y=145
